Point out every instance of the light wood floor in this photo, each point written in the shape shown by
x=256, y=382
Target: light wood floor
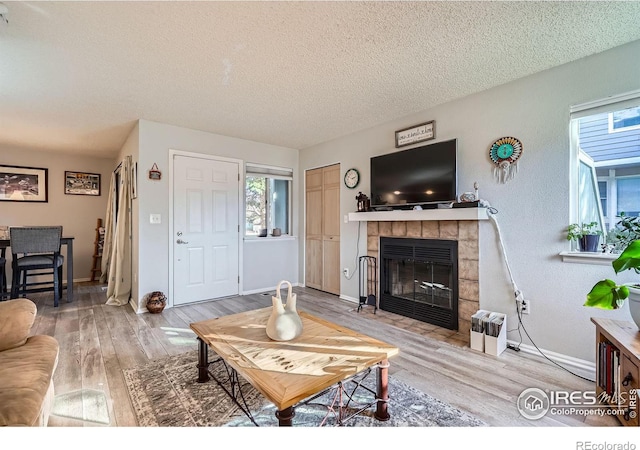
x=98, y=341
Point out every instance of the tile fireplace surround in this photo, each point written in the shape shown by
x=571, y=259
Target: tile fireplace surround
x=465, y=231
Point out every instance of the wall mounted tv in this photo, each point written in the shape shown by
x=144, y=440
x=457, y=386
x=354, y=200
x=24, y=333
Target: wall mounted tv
x=419, y=176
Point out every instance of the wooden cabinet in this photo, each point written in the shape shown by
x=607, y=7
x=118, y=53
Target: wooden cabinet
x=617, y=367
x=322, y=249
x=629, y=376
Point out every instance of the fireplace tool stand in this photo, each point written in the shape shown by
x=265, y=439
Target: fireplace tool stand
x=368, y=283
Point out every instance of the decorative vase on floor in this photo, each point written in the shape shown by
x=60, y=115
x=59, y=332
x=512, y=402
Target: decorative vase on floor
x=156, y=302
x=284, y=323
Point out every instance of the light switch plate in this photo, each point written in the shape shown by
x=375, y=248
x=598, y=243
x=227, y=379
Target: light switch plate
x=155, y=218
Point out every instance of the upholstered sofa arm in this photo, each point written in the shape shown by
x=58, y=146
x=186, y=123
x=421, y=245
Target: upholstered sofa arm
x=16, y=319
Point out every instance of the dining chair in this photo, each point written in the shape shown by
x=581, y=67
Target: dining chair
x=36, y=253
x=3, y=279
x=4, y=236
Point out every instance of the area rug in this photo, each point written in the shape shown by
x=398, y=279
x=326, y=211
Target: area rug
x=165, y=393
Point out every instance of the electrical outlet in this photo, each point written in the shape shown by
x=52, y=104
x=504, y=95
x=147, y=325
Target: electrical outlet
x=526, y=306
x=345, y=271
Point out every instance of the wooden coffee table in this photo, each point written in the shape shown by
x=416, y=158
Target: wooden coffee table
x=288, y=372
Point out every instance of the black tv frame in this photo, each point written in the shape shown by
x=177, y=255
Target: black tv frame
x=403, y=164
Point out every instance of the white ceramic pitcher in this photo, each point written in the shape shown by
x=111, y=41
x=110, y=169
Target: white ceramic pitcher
x=284, y=323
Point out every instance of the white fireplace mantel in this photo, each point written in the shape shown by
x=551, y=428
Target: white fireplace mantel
x=424, y=214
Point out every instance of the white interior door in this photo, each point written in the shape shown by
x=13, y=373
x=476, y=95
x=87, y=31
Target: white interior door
x=205, y=229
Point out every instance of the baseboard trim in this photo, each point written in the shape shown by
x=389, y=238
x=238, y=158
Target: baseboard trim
x=349, y=299
x=581, y=367
x=80, y=280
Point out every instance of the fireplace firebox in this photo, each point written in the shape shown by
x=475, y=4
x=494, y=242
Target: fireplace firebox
x=419, y=279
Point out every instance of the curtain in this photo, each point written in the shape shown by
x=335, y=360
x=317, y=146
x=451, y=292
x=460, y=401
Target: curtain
x=118, y=262
x=109, y=227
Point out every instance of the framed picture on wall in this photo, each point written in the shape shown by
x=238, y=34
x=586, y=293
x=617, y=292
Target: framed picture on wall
x=23, y=184
x=81, y=183
x=417, y=133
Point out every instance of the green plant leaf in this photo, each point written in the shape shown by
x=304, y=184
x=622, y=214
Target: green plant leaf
x=603, y=295
x=629, y=258
x=623, y=292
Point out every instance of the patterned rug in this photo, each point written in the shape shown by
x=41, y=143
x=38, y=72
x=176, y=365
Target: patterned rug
x=165, y=393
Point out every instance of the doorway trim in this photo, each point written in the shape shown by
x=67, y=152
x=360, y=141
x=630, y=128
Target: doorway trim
x=240, y=162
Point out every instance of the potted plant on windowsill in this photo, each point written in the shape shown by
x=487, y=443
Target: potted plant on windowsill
x=607, y=294
x=587, y=235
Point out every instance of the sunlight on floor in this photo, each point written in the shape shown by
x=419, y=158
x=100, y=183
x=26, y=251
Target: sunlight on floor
x=179, y=336
x=87, y=405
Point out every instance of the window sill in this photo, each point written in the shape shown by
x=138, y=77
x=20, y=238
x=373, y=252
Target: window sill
x=269, y=238
x=595, y=258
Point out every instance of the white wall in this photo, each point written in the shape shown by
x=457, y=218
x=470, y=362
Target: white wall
x=533, y=208
x=131, y=147
x=77, y=214
x=269, y=260
x=156, y=140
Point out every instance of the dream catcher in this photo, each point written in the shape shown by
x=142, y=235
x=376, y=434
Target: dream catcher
x=505, y=153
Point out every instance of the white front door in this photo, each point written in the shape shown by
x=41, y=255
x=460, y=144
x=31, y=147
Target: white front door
x=205, y=229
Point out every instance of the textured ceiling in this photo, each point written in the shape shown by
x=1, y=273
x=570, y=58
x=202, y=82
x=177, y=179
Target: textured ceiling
x=75, y=76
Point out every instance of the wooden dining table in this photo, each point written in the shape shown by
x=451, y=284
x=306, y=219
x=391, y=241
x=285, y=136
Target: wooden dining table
x=65, y=241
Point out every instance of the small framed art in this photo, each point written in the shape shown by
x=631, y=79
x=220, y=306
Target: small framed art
x=81, y=183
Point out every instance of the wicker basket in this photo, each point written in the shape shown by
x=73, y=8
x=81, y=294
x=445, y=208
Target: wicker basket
x=156, y=302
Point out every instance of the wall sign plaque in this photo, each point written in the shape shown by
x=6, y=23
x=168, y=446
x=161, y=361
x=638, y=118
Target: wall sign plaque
x=154, y=173
x=417, y=133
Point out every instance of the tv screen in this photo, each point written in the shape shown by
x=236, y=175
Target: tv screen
x=418, y=176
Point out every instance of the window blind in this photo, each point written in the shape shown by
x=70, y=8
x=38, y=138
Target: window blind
x=613, y=103
x=268, y=171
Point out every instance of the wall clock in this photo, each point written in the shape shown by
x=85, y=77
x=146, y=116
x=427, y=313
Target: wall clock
x=505, y=153
x=351, y=178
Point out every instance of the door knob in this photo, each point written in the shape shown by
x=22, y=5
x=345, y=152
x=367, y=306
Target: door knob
x=180, y=241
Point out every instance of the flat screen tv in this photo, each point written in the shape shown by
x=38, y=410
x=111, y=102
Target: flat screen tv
x=423, y=175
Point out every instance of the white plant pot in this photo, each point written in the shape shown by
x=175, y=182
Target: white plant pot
x=634, y=304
